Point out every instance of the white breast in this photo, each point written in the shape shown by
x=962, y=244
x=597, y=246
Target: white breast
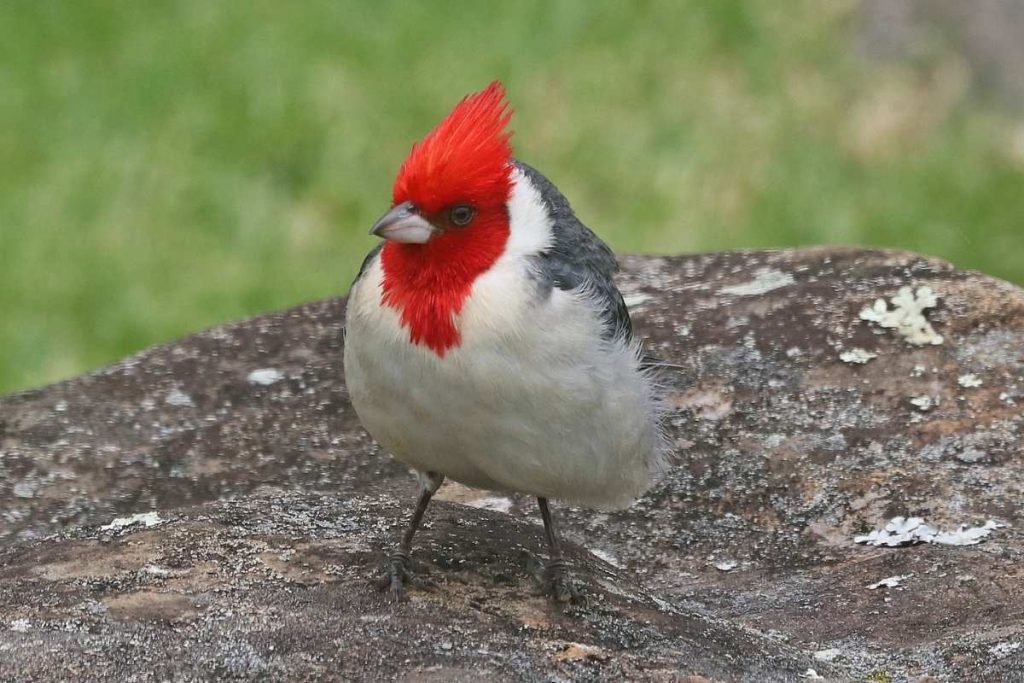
x=532, y=400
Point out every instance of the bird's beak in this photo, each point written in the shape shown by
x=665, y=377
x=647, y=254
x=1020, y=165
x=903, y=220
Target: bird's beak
x=403, y=223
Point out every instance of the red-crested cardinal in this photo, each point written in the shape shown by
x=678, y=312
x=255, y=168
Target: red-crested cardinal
x=486, y=341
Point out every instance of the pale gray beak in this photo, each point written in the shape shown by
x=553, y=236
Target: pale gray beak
x=404, y=224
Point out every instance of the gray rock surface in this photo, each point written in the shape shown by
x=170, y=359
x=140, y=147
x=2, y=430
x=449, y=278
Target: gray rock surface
x=274, y=507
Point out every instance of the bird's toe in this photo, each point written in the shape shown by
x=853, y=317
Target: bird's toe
x=557, y=584
x=394, y=577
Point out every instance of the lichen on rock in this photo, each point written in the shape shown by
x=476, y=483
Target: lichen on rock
x=906, y=315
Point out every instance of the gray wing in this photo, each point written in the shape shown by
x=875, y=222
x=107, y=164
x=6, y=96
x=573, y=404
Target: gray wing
x=577, y=256
x=367, y=262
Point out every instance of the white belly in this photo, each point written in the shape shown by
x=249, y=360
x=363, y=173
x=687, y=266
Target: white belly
x=530, y=401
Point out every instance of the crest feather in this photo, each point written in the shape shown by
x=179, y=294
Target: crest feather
x=466, y=158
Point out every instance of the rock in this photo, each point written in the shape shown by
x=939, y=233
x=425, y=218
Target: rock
x=275, y=507
x=274, y=586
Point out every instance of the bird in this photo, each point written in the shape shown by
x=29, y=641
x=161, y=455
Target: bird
x=486, y=340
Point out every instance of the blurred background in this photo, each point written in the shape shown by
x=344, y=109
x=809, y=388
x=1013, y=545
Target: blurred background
x=165, y=166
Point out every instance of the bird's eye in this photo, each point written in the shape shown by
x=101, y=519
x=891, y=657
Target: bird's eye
x=462, y=214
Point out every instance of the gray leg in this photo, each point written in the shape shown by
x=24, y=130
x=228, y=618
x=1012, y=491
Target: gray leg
x=398, y=570
x=555, y=581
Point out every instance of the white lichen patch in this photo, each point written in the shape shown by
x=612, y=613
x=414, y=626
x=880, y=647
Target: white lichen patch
x=889, y=582
x=25, y=489
x=765, y=280
x=495, y=503
x=924, y=403
x=154, y=570
x=969, y=381
x=971, y=455
x=147, y=519
x=1001, y=650
x=20, y=625
x=965, y=535
x=906, y=315
x=177, y=397
x=858, y=356
x=265, y=376
x=901, y=531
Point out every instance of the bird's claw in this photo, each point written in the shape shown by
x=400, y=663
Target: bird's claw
x=397, y=573
x=556, y=583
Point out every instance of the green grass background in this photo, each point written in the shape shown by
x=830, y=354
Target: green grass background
x=165, y=166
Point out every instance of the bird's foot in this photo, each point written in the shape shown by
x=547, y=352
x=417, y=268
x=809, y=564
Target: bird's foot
x=556, y=583
x=397, y=573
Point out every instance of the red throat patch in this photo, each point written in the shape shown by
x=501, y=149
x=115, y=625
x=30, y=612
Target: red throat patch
x=465, y=161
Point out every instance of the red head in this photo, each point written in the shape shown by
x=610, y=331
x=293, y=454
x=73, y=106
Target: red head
x=449, y=221
x=464, y=160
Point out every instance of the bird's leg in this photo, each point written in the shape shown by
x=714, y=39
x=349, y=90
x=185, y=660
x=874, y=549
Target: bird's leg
x=555, y=581
x=399, y=569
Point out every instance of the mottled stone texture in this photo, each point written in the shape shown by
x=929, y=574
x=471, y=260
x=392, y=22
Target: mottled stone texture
x=739, y=565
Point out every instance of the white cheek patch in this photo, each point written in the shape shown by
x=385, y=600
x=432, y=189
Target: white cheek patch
x=530, y=226
x=501, y=295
